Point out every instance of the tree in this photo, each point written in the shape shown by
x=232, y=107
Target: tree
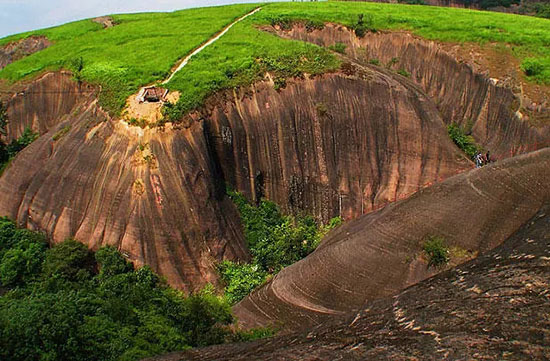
x=70, y=261
x=20, y=265
x=111, y=262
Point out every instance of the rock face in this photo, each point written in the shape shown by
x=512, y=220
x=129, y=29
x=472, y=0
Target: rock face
x=340, y=144
x=154, y=195
x=44, y=103
x=492, y=308
x=18, y=49
x=489, y=107
x=379, y=254
x=337, y=145
x=158, y=194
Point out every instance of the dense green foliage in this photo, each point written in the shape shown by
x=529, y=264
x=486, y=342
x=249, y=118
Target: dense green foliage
x=363, y=25
x=8, y=151
x=436, y=251
x=488, y=4
x=463, y=140
x=142, y=48
x=275, y=241
x=536, y=69
x=67, y=303
x=540, y=9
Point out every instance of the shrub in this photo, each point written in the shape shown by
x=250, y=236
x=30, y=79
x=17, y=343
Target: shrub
x=532, y=67
x=275, y=241
x=542, y=10
x=321, y=109
x=59, y=134
x=69, y=260
x=253, y=334
x=338, y=47
x=77, y=65
x=436, y=252
x=404, y=73
x=20, y=143
x=279, y=83
x=363, y=25
x=111, y=262
x=284, y=23
x=413, y=2
x=22, y=262
x=392, y=62
x=3, y=119
x=374, y=62
x=314, y=25
x=463, y=141
x=240, y=279
x=142, y=123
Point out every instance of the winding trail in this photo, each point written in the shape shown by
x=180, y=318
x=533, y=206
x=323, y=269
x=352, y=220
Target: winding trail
x=212, y=40
x=150, y=112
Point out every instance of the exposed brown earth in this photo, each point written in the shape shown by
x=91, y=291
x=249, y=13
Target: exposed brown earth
x=44, y=103
x=18, y=49
x=105, y=21
x=379, y=254
x=495, y=307
x=469, y=84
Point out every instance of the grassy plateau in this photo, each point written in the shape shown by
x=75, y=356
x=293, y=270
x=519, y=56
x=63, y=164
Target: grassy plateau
x=142, y=48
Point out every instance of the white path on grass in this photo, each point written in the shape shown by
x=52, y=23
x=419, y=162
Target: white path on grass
x=198, y=50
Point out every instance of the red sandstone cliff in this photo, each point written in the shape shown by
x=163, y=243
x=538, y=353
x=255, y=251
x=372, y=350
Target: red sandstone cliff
x=462, y=95
x=158, y=194
x=339, y=144
x=379, y=254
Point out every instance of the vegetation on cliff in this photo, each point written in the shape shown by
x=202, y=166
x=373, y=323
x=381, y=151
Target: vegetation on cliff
x=436, y=251
x=8, y=151
x=142, y=48
x=275, y=241
x=67, y=303
x=463, y=140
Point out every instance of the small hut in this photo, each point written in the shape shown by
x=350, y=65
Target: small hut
x=152, y=94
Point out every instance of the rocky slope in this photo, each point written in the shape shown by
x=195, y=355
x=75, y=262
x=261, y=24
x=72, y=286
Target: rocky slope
x=337, y=145
x=158, y=194
x=152, y=194
x=492, y=308
x=379, y=254
x=495, y=109
x=18, y=49
x=340, y=144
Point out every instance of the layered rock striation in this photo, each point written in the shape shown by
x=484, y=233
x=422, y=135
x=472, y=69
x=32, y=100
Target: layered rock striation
x=159, y=194
x=379, y=254
x=494, y=307
x=16, y=50
x=336, y=145
x=491, y=108
x=153, y=194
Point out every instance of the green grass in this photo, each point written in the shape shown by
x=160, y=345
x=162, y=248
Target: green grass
x=143, y=47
